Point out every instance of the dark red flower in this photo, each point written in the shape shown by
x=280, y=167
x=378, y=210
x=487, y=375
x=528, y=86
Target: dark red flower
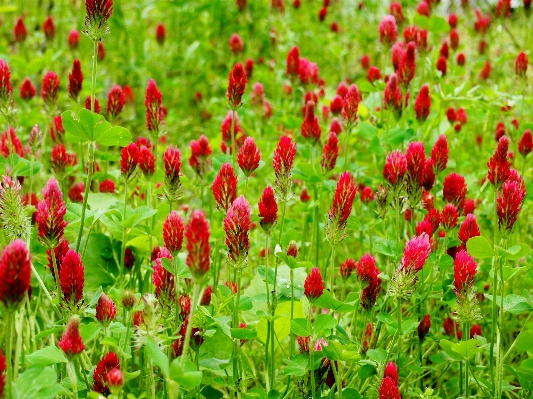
x=73, y=39
x=444, y=49
x=129, y=258
x=129, y=159
x=485, y=72
x=75, y=193
x=105, y=310
x=350, y=105
x=50, y=89
x=423, y=327
x=197, y=233
x=304, y=195
x=451, y=328
x=499, y=165
x=249, y=156
x=206, y=298
x=115, y=101
x=6, y=90
x=96, y=105
x=49, y=28
x=464, y=271
x=475, y=330
x=268, y=209
x=283, y=158
x=19, y=30
x=293, y=62
x=510, y=200
x=330, y=153
x=366, y=268
x=525, y=145
x=97, y=15
x=422, y=104
x=367, y=195
x=27, y=89
x=146, y=162
x=163, y=281
x=521, y=64
x=152, y=102
x=503, y=9
x=50, y=215
x=8, y=147
x=225, y=187
x=15, y=274
x=173, y=232
x=107, y=186
x=314, y=285
x=391, y=371
x=389, y=389
x=75, y=79
x=341, y=207
x=449, y=217
x=395, y=168
x=71, y=342
x=442, y=65
x=454, y=39
x=236, y=44
x=200, y=151
x=468, y=229
x=439, y=154
x=415, y=157
x=160, y=34
x=392, y=96
x=237, y=227
x=424, y=227
x=388, y=32
x=415, y=253
x=407, y=66
x=454, y=190
x=347, y=268
x=310, y=127
x=461, y=59
x=108, y=362
x=72, y=278
x=237, y=85
x=373, y=74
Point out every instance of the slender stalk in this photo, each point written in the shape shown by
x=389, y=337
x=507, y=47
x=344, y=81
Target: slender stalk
x=332, y=268
x=494, y=293
x=292, y=314
x=348, y=131
x=194, y=304
x=311, y=353
x=45, y=290
x=232, y=133
x=56, y=273
x=71, y=370
x=269, y=310
x=236, y=342
x=338, y=380
x=466, y=336
x=10, y=325
x=399, y=314
x=123, y=248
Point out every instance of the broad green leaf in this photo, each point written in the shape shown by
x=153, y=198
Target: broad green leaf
x=515, y=252
x=516, y=304
x=351, y=393
x=479, y=247
x=366, y=371
x=447, y=346
x=117, y=135
x=46, y=333
x=109, y=341
x=47, y=356
x=337, y=351
x=525, y=374
x=297, y=366
x=467, y=349
x=184, y=376
x=38, y=383
x=73, y=128
x=379, y=355
x=323, y=323
x=157, y=356
x=326, y=301
x=243, y=333
x=89, y=332
x=300, y=328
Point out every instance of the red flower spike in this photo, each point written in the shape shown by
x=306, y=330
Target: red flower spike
x=423, y=8
x=173, y=232
x=347, y=268
x=15, y=274
x=521, y=64
x=249, y=156
x=27, y=89
x=503, y=9
x=389, y=389
x=75, y=194
x=461, y=59
x=388, y=32
x=415, y=157
x=72, y=279
x=237, y=227
x=19, y=30
x=510, y=200
x=485, y=72
x=97, y=15
x=96, y=105
x=73, y=39
x=268, y=209
x=422, y=104
x=71, y=342
x=57, y=131
x=105, y=310
x=108, y=362
x=341, y=207
x=367, y=195
x=454, y=39
x=499, y=165
x=310, y=127
x=433, y=217
x=129, y=159
x=225, y=187
x=200, y=151
x=407, y=66
x=282, y=161
x=75, y=79
x=50, y=89
x=429, y=175
x=392, y=96
x=147, y=162
x=236, y=44
x=468, y=229
x=293, y=62
x=424, y=227
x=439, y=154
x=391, y=371
x=454, y=190
x=304, y=195
x=206, y=298
x=397, y=53
x=107, y=186
x=160, y=34
x=336, y=105
x=373, y=74
x=330, y=153
x=442, y=65
x=314, y=285
x=292, y=249
x=449, y=217
x=395, y=9
x=237, y=86
x=50, y=215
x=423, y=327
x=416, y=253
x=115, y=380
x=395, y=168
x=164, y=283
x=475, y=330
x=366, y=268
x=115, y=101
x=197, y=233
x=350, y=106
x=525, y=145
x=464, y=271
x=49, y=28
x=453, y=20
x=129, y=258
x=152, y=102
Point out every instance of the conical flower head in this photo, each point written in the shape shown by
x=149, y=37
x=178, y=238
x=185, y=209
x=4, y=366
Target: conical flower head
x=284, y=156
x=509, y=203
x=465, y=269
x=97, y=16
x=75, y=80
x=395, y=168
x=313, y=285
x=454, y=190
x=147, y=162
x=164, y=282
x=330, y=153
x=422, y=104
x=15, y=274
x=449, y=217
x=200, y=151
x=108, y=362
x=521, y=64
x=27, y=89
x=237, y=227
x=525, y=145
x=6, y=90
x=249, y=156
x=389, y=389
x=310, y=127
x=407, y=67
x=293, y=62
x=72, y=279
x=469, y=228
x=416, y=160
x=153, y=101
x=341, y=208
x=366, y=268
x=129, y=159
x=439, y=154
x=71, y=342
x=268, y=209
x=423, y=327
x=172, y=163
x=19, y=30
x=236, y=86
x=115, y=101
x=347, y=267
x=173, y=232
x=391, y=371
x=388, y=32
x=50, y=89
x=415, y=254
x=350, y=105
x=225, y=187
x=51, y=215
x=106, y=310
x=197, y=233
x=499, y=165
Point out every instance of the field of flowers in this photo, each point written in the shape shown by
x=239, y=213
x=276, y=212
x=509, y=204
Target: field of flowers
x=266, y=199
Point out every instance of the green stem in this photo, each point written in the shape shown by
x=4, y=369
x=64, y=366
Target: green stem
x=73, y=378
x=399, y=311
x=86, y=194
x=10, y=325
x=269, y=310
x=311, y=352
x=123, y=248
x=332, y=269
x=56, y=274
x=232, y=133
x=236, y=341
x=338, y=380
x=194, y=305
x=292, y=314
x=466, y=336
x=45, y=290
x=494, y=307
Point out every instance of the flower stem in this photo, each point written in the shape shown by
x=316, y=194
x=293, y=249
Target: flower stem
x=123, y=248
x=292, y=314
x=232, y=133
x=10, y=324
x=194, y=304
x=311, y=352
x=466, y=336
x=236, y=341
x=399, y=314
x=73, y=378
x=269, y=310
x=56, y=273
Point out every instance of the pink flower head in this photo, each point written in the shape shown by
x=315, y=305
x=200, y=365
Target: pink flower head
x=19, y=30
x=415, y=253
x=72, y=279
x=71, y=342
x=152, y=102
x=422, y=104
x=236, y=44
x=105, y=310
x=454, y=190
x=282, y=162
x=373, y=74
x=521, y=64
x=146, y=162
x=395, y=168
x=27, y=89
x=449, y=217
x=200, y=151
x=236, y=86
x=75, y=79
x=499, y=165
x=395, y=9
x=314, y=285
x=197, y=233
x=330, y=153
x=268, y=209
x=464, y=271
x=173, y=232
x=341, y=207
x=108, y=362
x=115, y=101
x=172, y=162
x=388, y=32
x=237, y=226
x=389, y=389
x=129, y=159
x=164, y=283
x=225, y=187
x=96, y=104
x=366, y=268
x=293, y=62
x=391, y=371
x=115, y=380
x=439, y=154
x=423, y=327
x=468, y=229
x=249, y=156
x=51, y=214
x=407, y=67
x=351, y=105
x=15, y=273
x=310, y=127
x=509, y=205
x=415, y=157
x=73, y=39
x=49, y=28
x=50, y=89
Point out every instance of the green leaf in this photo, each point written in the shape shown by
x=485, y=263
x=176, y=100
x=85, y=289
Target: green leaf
x=525, y=374
x=183, y=376
x=243, y=333
x=209, y=392
x=109, y=341
x=351, y=393
x=479, y=247
x=326, y=301
x=89, y=332
x=323, y=323
x=157, y=356
x=515, y=252
x=297, y=366
x=299, y=327
x=447, y=346
x=516, y=304
x=366, y=371
x=467, y=349
x=46, y=333
x=38, y=383
x=379, y=355
x=337, y=351
x=92, y=127
x=47, y=356
x=73, y=128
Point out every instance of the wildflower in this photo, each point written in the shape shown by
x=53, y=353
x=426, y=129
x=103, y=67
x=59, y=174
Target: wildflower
x=461, y=59
x=146, y=162
x=422, y=104
x=424, y=226
x=73, y=39
x=347, y=268
x=236, y=44
x=200, y=151
x=13, y=219
x=50, y=89
x=225, y=187
x=475, y=330
x=452, y=20
x=15, y=274
x=392, y=96
x=164, y=283
x=521, y=64
x=370, y=293
x=49, y=28
x=415, y=254
x=429, y=175
x=442, y=65
x=238, y=135
x=293, y=62
x=397, y=53
x=129, y=159
x=468, y=229
x=499, y=165
x=304, y=195
x=27, y=89
x=388, y=32
x=389, y=389
x=373, y=74
x=449, y=217
x=454, y=190
x=71, y=342
x=72, y=279
x=129, y=258
x=423, y=8
x=395, y=168
x=105, y=310
x=341, y=208
x=509, y=204
x=206, y=298
x=282, y=161
x=407, y=66
x=423, y=327
x=172, y=162
x=454, y=38
x=152, y=102
x=465, y=269
x=439, y=154
x=173, y=233
x=367, y=195
x=415, y=157
x=268, y=209
x=237, y=226
x=75, y=79
x=115, y=101
x=160, y=34
x=108, y=362
x=249, y=156
x=525, y=145
x=19, y=30
x=50, y=215
x=236, y=87
x=313, y=285
x=330, y=153
x=197, y=233
x=350, y=106
x=115, y=380
x=485, y=72
x=310, y=127
x=75, y=194
x=97, y=15
x=96, y=105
